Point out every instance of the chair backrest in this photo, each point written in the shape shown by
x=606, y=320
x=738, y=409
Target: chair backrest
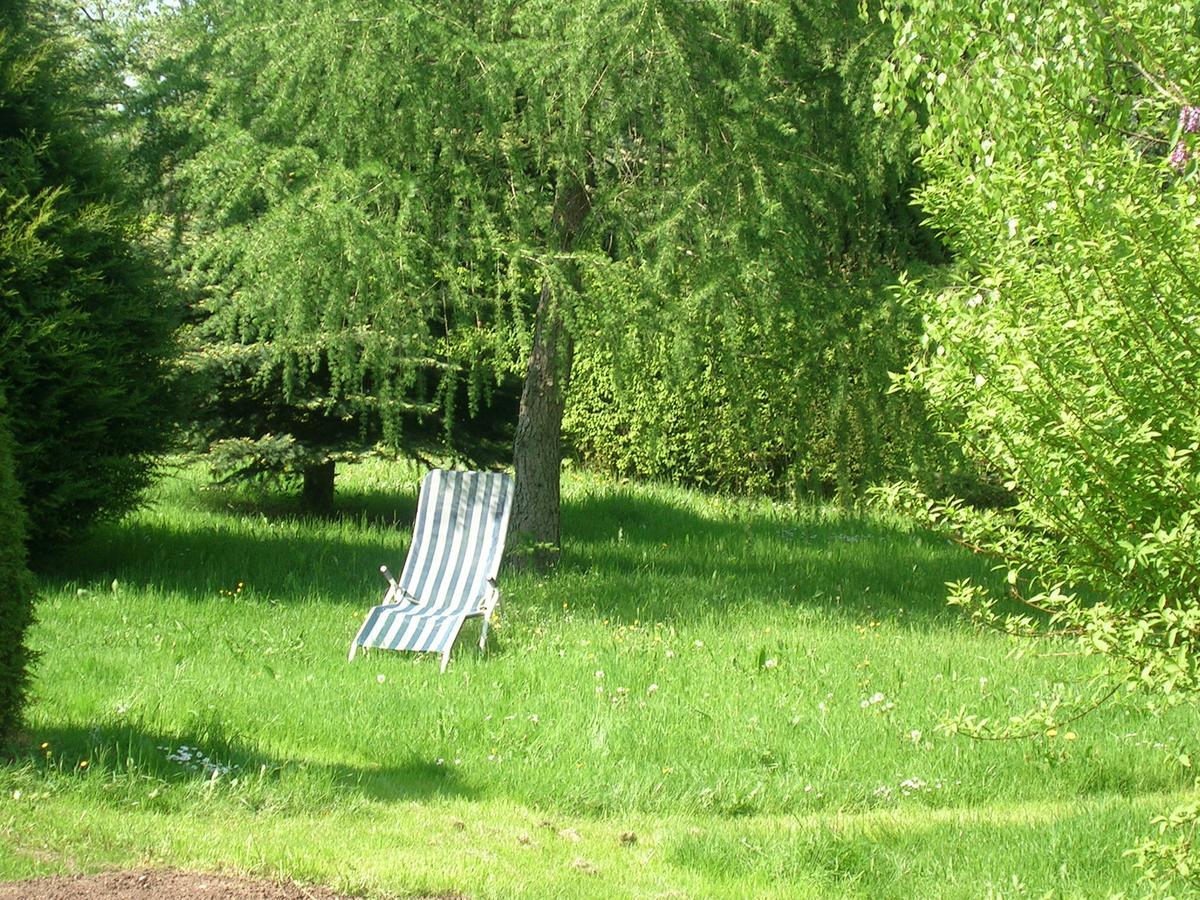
x=458, y=538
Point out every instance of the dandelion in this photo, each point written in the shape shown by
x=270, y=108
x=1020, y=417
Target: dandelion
x=699, y=645
x=770, y=663
x=670, y=654
x=599, y=673
x=1052, y=732
x=534, y=718
x=83, y=764
x=381, y=678
x=1070, y=736
x=915, y=736
x=45, y=745
x=652, y=689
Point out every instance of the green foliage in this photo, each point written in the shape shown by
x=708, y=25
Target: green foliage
x=796, y=405
x=16, y=591
x=84, y=316
x=368, y=206
x=772, y=375
x=1063, y=347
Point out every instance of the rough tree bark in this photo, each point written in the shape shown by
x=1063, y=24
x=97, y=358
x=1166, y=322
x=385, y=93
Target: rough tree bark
x=534, y=531
x=537, y=450
x=316, y=496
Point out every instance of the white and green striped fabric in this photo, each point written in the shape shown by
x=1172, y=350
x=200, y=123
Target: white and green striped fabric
x=450, y=573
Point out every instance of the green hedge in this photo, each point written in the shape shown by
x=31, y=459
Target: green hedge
x=797, y=405
x=16, y=591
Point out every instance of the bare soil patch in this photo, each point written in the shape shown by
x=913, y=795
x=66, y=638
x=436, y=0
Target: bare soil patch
x=161, y=884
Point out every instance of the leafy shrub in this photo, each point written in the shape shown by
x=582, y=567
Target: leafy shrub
x=1064, y=345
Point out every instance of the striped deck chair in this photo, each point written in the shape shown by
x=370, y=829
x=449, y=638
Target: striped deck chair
x=450, y=573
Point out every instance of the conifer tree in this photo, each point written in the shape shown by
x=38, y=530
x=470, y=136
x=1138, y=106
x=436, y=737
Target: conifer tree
x=84, y=314
x=386, y=190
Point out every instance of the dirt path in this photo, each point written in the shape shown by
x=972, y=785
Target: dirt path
x=160, y=884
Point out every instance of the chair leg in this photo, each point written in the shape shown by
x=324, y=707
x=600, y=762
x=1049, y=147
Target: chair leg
x=445, y=659
x=353, y=650
x=483, y=631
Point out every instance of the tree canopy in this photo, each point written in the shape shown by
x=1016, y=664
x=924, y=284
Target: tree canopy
x=390, y=200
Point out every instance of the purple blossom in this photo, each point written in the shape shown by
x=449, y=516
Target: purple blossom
x=1179, y=156
x=1189, y=119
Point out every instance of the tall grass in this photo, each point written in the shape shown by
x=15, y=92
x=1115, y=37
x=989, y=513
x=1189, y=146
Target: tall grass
x=751, y=690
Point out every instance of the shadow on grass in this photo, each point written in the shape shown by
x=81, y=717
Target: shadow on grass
x=669, y=562
x=128, y=752
x=626, y=554
x=274, y=505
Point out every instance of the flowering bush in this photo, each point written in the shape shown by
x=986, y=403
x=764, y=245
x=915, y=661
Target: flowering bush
x=1063, y=346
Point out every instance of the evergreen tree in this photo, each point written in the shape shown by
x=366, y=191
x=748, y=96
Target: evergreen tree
x=84, y=316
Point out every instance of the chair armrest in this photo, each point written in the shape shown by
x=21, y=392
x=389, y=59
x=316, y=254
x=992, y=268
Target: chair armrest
x=491, y=599
x=395, y=591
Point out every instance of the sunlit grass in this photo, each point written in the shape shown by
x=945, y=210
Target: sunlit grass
x=753, y=691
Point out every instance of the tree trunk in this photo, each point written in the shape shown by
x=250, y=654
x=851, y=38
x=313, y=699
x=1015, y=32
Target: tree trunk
x=537, y=451
x=317, y=494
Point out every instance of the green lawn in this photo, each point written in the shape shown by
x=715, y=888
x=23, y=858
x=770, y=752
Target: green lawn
x=748, y=693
